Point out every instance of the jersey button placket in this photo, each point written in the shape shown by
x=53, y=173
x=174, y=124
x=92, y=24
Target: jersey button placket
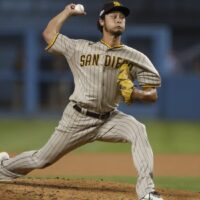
x=102, y=81
x=101, y=87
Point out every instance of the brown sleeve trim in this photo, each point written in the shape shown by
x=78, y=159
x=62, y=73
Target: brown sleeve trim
x=149, y=86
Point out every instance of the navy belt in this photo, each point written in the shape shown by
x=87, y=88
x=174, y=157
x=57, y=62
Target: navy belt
x=92, y=114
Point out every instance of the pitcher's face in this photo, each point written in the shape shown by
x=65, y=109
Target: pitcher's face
x=114, y=23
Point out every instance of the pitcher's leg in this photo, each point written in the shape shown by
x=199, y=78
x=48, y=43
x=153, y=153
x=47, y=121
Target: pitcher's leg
x=143, y=159
x=58, y=145
x=125, y=128
x=74, y=130
x=24, y=163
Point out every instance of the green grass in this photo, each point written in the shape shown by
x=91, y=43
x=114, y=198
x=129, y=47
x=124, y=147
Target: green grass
x=21, y=135
x=174, y=137
x=165, y=137
x=183, y=183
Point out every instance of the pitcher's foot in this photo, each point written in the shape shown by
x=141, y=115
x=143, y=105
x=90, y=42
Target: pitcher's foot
x=3, y=177
x=152, y=196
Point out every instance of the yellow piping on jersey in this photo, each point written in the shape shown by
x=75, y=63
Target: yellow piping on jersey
x=52, y=42
x=118, y=46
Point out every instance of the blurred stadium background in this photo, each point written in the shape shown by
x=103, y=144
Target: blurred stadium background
x=34, y=83
x=35, y=86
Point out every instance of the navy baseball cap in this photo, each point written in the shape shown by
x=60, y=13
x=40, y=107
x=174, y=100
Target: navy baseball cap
x=114, y=6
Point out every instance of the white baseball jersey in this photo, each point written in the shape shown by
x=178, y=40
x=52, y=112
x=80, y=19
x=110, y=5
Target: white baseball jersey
x=95, y=69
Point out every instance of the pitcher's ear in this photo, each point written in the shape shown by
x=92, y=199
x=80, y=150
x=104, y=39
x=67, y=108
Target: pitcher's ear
x=101, y=21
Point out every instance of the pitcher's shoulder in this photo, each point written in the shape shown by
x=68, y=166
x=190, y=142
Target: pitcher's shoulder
x=134, y=51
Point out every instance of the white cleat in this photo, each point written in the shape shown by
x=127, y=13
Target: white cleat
x=3, y=177
x=152, y=196
x=4, y=156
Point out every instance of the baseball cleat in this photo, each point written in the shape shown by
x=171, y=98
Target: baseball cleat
x=4, y=156
x=152, y=196
x=3, y=177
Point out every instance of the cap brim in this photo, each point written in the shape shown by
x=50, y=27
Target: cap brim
x=122, y=9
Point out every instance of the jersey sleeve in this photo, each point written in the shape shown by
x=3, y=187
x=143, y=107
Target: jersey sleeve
x=147, y=79
x=63, y=45
x=145, y=73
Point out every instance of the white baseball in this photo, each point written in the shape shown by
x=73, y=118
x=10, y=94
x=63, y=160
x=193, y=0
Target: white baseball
x=79, y=8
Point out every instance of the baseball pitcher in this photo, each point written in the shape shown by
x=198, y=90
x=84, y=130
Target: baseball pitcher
x=104, y=73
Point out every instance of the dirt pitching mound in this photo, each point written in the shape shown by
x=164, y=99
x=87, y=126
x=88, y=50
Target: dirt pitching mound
x=66, y=189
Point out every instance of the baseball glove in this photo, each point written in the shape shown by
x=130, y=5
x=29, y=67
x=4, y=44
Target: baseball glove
x=125, y=83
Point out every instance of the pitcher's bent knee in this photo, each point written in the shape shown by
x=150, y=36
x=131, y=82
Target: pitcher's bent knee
x=141, y=130
x=138, y=129
x=40, y=163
